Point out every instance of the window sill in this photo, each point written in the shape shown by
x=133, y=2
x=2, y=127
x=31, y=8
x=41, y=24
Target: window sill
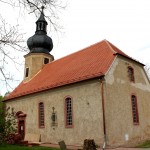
x=69, y=126
x=41, y=126
x=136, y=124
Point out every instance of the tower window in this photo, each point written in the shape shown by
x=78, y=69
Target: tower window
x=39, y=26
x=134, y=109
x=68, y=112
x=46, y=60
x=41, y=114
x=131, y=74
x=27, y=72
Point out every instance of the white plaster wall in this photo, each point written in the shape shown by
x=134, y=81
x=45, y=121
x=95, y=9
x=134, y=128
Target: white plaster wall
x=118, y=91
x=87, y=113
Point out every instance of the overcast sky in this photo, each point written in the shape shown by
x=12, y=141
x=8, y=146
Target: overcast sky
x=125, y=23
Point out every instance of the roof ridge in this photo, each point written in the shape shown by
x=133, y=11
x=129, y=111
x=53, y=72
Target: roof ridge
x=120, y=52
x=79, y=50
x=109, y=44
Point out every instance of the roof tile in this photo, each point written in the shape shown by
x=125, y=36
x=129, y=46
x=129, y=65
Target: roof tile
x=91, y=62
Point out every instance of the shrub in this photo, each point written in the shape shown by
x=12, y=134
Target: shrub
x=13, y=138
x=89, y=144
x=7, y=124
x=17, y=138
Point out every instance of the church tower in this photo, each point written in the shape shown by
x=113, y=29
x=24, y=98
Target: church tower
x=40, y=46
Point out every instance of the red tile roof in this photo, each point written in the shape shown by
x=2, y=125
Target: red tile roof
x=93, y=61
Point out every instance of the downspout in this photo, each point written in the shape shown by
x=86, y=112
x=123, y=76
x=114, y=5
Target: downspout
x=103, y=110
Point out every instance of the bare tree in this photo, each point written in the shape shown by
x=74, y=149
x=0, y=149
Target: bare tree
x=10, y=42
x=11, y=39
x=52, y=7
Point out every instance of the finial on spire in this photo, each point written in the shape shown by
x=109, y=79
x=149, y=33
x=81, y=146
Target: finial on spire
x=42, y=8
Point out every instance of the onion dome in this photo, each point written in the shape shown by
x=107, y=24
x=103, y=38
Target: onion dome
x=40, y=42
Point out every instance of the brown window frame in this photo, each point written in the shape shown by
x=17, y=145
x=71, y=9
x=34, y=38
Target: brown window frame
x=41, y=115
x=69, y=112
x=131, y=74
x=135, y=114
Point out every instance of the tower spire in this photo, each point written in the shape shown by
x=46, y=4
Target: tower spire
x=40, y=46
x=41, y=23
x=40, y=42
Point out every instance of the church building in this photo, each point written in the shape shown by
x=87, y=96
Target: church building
x=97, y=93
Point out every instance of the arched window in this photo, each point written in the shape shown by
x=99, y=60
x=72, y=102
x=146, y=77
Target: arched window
x=131, y=74
x=41, y=115
x=134, y=109
x=39, y=25
x=68, y=112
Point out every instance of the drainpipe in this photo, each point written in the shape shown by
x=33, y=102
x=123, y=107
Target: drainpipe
x=103, y=109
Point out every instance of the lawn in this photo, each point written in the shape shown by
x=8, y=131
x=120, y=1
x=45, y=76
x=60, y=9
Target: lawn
x=145, y=144
x=17, y=147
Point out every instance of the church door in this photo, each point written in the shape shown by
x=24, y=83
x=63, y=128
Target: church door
x=21, y=128
x=21, y=123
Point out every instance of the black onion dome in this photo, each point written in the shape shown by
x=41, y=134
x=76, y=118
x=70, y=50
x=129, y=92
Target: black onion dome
x=40, y=42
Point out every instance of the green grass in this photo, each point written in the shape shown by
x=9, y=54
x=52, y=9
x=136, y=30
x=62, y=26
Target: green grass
x=145, y=144
x=17, y=147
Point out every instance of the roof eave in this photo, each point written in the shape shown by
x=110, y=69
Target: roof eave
x=100, y=75
x=130, y=58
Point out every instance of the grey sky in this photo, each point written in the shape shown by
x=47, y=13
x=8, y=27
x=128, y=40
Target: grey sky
x=125, y=23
